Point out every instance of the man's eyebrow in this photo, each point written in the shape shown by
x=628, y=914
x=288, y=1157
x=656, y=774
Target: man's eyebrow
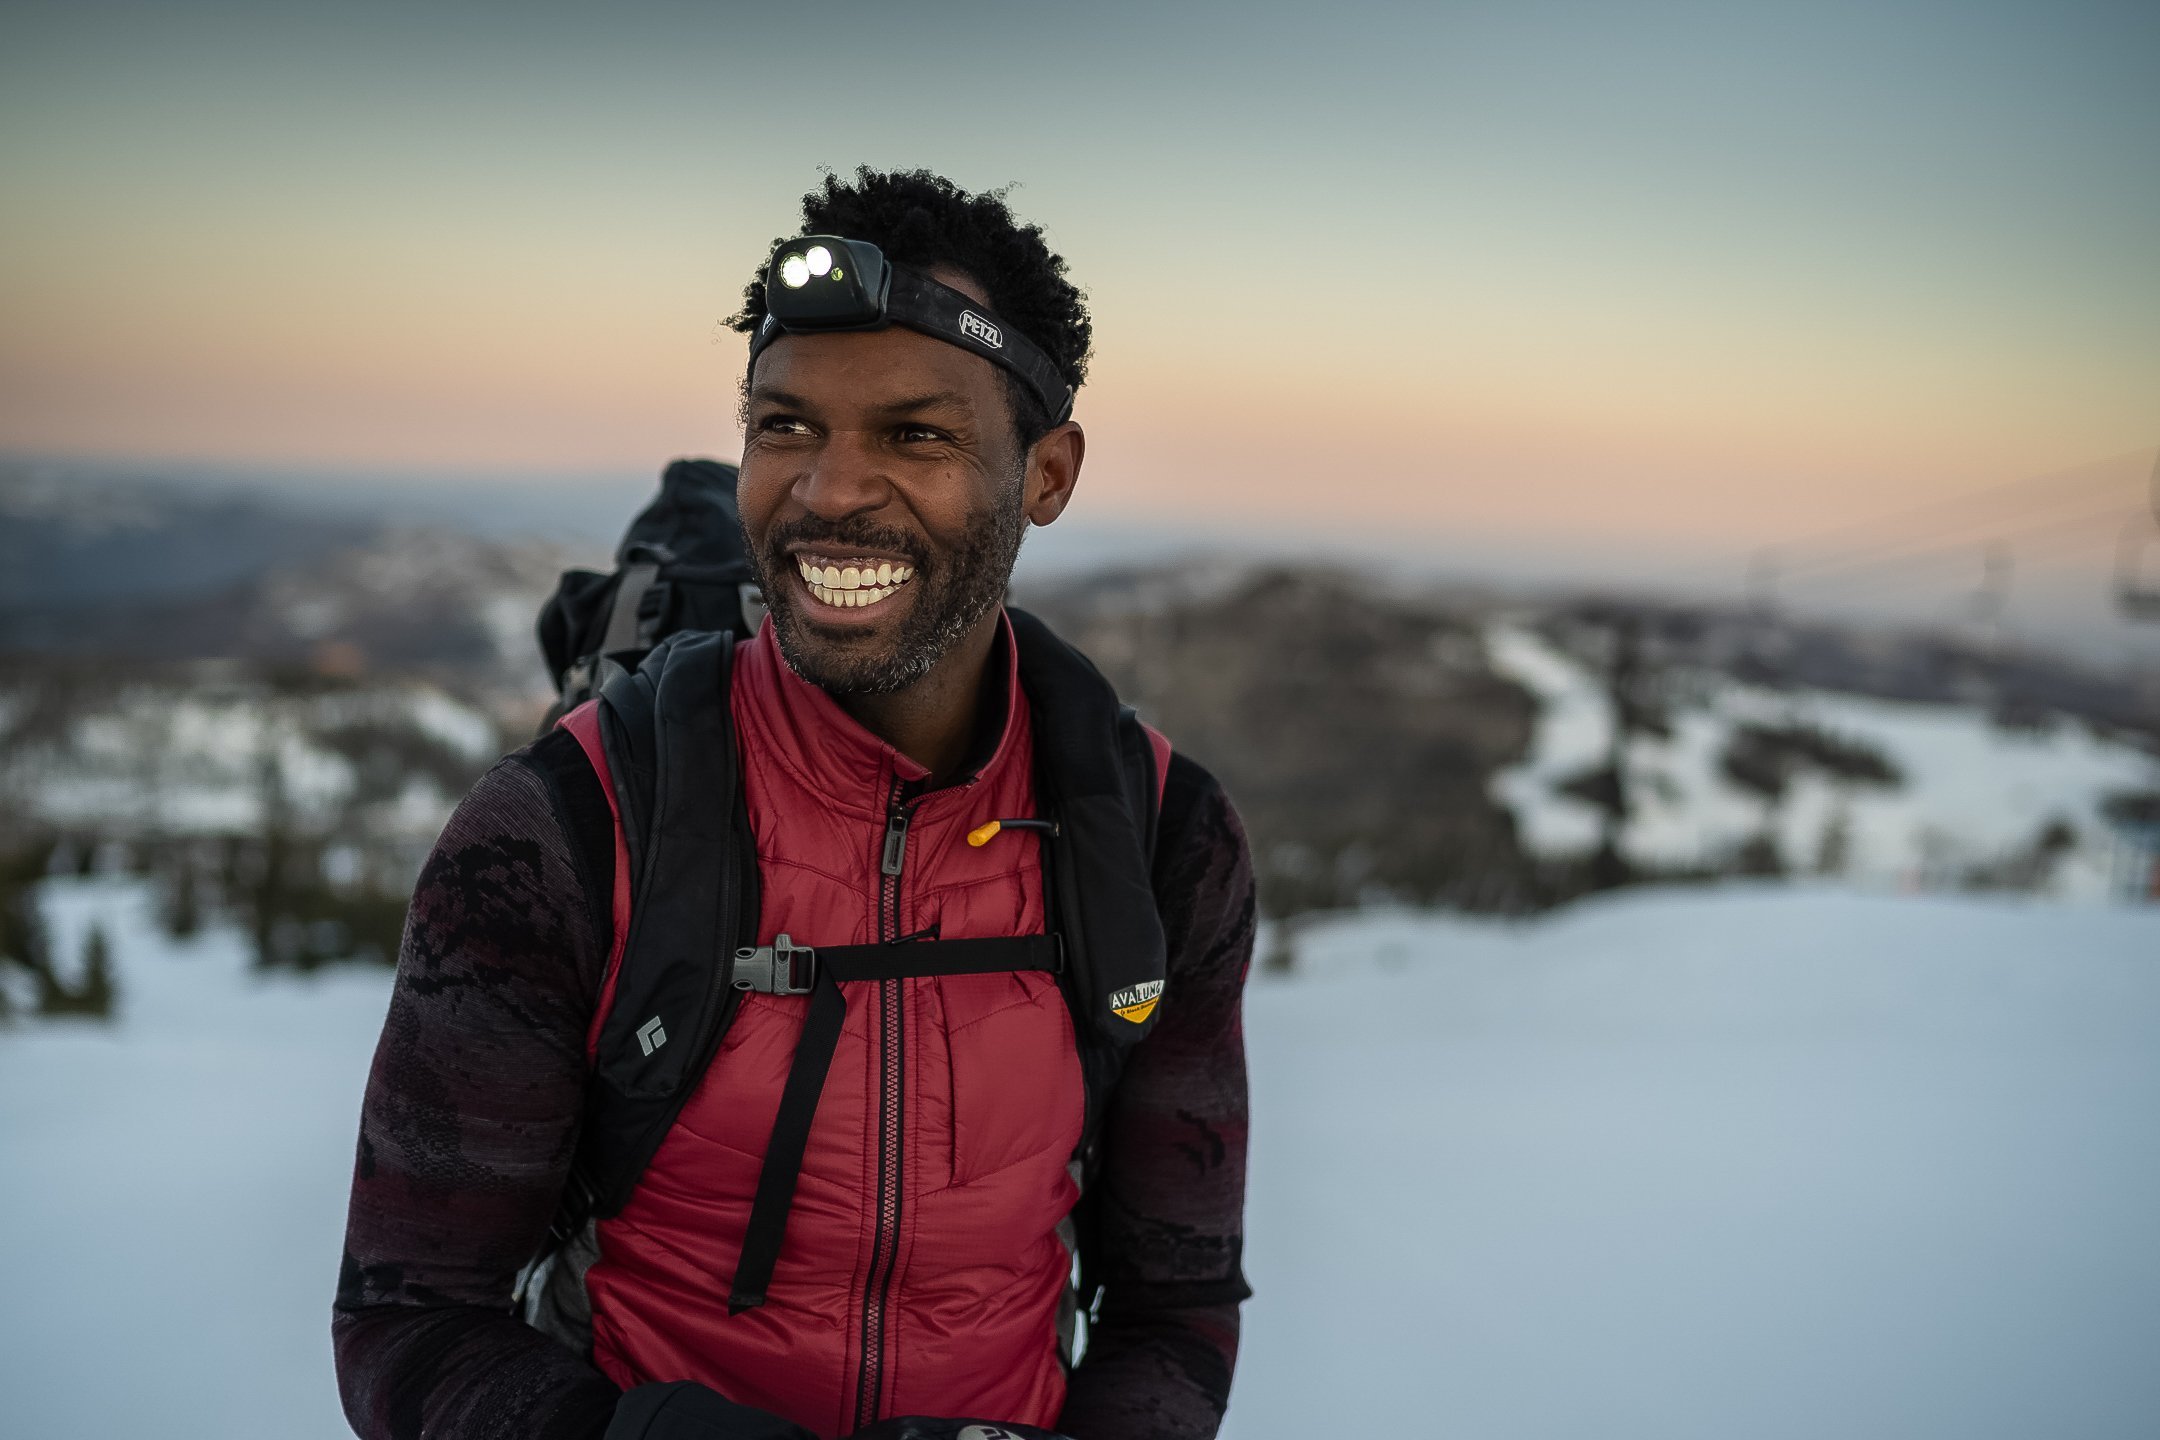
x=928, y=400
x=903, y=405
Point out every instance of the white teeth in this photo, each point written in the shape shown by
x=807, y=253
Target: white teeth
x=834, y=583
x=851, y=599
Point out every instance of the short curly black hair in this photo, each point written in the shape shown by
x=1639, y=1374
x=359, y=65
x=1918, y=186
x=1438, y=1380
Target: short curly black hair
x=923, y=220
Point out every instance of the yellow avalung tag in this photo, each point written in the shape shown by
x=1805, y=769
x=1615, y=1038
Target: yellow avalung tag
x=1136, y=1002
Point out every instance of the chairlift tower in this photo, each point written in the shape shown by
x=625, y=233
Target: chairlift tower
x=2137, y=573
x=1990, y=600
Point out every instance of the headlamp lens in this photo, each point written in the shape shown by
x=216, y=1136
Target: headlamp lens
x=795, y=271
x=820, y=259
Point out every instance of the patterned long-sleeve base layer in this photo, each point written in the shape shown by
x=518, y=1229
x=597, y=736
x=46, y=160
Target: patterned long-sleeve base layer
x=471, y=1116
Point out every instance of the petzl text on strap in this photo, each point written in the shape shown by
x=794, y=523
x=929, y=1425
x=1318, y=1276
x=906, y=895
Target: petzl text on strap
x=784, y=968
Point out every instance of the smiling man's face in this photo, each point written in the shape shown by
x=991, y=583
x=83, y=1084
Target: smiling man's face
x=884, y=496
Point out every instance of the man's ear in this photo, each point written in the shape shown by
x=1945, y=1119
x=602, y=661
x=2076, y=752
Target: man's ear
x=1053, y=470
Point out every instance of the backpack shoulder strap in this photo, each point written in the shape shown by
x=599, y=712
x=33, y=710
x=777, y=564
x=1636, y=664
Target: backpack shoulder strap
x=587, y=816
x=1097, y=776
x=669, y=745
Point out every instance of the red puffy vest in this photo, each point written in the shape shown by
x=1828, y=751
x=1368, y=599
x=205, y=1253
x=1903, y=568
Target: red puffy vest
x=924, y=1269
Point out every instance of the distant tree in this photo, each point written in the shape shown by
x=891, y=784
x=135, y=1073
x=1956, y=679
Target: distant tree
x=1760, y=856
x=2030, y=867
x=93, y=995
x=22, y=931
x=2130, y=808
x=96, y=992
x=1835, y=851
x=1765, y=761
x=1282, y=950
x=183, y=896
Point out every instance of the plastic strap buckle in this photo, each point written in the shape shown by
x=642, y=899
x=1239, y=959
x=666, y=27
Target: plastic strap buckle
x=781, y=968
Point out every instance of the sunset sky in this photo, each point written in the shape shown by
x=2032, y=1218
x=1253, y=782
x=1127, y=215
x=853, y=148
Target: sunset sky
x=1696, y=276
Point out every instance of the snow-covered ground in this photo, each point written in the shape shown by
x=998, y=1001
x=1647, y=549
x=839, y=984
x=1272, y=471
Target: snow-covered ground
x=174, y=1190
x=1747, y=1162
x=1717, y=1163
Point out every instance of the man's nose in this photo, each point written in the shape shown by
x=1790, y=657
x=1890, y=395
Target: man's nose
x=847, y=477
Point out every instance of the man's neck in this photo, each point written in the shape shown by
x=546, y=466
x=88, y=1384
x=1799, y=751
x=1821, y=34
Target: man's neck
x=933, y=722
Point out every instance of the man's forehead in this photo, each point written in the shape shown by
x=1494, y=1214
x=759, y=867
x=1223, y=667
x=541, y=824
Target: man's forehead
x=885, y=369
x=960, y=280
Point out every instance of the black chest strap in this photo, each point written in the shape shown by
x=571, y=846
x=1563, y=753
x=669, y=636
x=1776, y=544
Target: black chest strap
x=785, y=968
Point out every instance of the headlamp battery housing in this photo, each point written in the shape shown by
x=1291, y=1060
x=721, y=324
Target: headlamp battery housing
x=827, y=282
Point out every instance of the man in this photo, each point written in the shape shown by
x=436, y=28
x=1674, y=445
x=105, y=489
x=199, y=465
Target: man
x=888, y=477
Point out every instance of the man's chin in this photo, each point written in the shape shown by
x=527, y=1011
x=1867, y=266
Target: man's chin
x=853, y=657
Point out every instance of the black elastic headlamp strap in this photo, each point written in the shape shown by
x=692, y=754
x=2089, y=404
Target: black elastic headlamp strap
x=943, y=313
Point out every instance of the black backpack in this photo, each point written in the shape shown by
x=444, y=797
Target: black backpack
x=692, y=949
x=680, y=566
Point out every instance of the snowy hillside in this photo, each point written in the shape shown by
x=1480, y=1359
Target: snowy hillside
x=209, y=756
x=1970, y=800
x=1675, y=1164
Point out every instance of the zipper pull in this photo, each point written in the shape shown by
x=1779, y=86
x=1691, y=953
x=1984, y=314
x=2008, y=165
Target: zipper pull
x=896, y=823
x=989, y=830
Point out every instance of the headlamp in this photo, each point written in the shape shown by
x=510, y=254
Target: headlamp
x=824, y=283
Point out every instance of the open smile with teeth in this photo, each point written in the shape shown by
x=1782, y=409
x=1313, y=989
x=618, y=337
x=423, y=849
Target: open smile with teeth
x=852, y=584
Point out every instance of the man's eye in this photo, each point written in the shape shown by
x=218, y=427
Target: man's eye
x=921, y=434
x=782, y=425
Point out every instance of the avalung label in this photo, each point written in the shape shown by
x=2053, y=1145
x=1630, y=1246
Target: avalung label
x=1136, y=1002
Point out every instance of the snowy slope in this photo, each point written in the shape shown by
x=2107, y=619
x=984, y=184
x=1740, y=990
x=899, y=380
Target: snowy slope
x=1710, y=1163
x=1972, y=793
x=1739, y=1163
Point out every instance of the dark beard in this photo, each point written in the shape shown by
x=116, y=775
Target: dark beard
x=957, y=591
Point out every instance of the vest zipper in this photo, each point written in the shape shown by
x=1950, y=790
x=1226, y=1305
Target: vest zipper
x=892, y=997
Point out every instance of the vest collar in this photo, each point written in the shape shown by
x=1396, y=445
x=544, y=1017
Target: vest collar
x=829, y=751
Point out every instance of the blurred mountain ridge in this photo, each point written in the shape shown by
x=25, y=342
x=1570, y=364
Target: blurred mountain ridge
x=70, y=538
x=120, y=573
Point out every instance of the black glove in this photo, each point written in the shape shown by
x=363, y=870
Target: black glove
x=686, y=1410
x=925, y=1427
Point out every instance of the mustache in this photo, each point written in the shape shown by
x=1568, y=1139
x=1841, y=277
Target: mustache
x=853, y=533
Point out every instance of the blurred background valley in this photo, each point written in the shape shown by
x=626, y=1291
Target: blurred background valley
x=264, y=710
